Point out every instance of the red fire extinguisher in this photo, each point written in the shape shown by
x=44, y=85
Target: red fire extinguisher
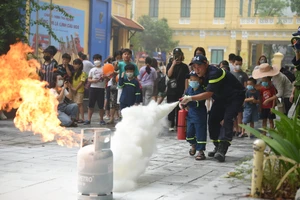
x=181, y=127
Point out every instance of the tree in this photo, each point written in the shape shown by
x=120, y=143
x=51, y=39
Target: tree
x=295, y=6
x=157, y=34
x=15, y=21
x=270, y=8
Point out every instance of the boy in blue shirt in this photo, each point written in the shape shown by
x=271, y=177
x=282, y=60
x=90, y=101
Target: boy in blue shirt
x=196, y=118
x=250, y=114
x=131, y=92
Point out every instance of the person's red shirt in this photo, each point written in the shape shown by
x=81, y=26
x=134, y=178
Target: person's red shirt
x=266, y=93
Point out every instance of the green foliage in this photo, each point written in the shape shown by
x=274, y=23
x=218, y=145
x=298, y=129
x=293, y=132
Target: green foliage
x=295, y=6
x=157, y=34
x=15, y=21
x=281, y=175
x=285, y=139
x=270, y=8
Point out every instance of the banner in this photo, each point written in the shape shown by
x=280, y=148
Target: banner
x=69, y=31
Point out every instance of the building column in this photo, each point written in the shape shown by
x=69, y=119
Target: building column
x=232, y=48
x=245, y=53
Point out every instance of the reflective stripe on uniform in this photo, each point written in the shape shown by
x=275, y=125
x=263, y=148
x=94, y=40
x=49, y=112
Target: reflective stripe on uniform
x=197, y=103
x=190, y=138
x=130, y=84
x=218, y=79
x=221, y=141
x=137, y=93
x=201, y=142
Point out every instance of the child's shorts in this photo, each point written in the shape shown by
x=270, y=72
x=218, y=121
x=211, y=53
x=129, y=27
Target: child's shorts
x=250, y=115
x=78, y=98
x=266, y=114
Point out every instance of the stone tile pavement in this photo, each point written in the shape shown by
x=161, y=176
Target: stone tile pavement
x=34, y=170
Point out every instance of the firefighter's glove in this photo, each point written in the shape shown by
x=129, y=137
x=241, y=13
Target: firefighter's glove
x=184, y=100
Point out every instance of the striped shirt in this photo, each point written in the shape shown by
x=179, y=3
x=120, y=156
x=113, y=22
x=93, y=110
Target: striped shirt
x=48, y=70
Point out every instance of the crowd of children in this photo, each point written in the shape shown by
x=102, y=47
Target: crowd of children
x=126, y=86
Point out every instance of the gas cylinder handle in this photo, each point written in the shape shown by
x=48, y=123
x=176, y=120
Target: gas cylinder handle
x=97, y=134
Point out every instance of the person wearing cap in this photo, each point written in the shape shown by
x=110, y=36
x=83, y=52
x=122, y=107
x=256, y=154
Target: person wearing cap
x=196, y=118
x=50, y=64
x=228, y=94
x=176, y=72
x=280, y=81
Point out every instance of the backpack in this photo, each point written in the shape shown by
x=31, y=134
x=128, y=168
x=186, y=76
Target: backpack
x=161, y=85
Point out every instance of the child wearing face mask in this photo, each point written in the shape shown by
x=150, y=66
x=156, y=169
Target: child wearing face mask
x=49, y=66
x=196, y=118
x=267, y=91
x=97, y=89
x=250, y=114
x=131, y=92
x=67, y=113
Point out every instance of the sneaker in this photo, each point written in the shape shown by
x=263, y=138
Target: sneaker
x=87, y=122
x=102, y=122
x=171, y=129
x=106, y=117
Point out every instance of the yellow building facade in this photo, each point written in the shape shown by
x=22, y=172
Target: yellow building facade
x=123, y=27
x=221, y=27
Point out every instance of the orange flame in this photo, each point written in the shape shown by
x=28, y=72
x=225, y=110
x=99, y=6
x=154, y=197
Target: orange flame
x=37, y=108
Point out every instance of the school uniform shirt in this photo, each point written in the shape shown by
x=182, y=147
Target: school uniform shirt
x=131, y=92
x=145, y=78
x=197, y=110
x=97, y=73
x=76, y=82
x=223, y=84
x=266, y=93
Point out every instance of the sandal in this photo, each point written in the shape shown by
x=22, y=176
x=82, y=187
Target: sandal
x=242, y=135
x=200, y=156
x=193, y=150
x=80, y=121
x=110, y=122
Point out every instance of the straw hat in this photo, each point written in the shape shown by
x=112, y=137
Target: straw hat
x=265, y=70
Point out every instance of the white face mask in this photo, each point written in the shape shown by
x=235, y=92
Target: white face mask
x=237, y=67
x=129, y=75
x=59, y=83
x=97, y=63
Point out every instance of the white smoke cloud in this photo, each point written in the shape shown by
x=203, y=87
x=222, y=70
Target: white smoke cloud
x=134, y=141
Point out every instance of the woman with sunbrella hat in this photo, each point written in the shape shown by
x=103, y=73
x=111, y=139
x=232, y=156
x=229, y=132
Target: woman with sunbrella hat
x=280, y=81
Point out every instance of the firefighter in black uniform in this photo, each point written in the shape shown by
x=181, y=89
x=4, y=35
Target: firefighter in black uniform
x=228, y=94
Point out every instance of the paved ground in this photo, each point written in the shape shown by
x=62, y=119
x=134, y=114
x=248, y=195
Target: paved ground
x=33, y=170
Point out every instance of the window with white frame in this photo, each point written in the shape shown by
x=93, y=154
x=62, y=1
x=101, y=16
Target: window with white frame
x=220, y=8
x=185, y=8
x=153, y=8
x=217, y=55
